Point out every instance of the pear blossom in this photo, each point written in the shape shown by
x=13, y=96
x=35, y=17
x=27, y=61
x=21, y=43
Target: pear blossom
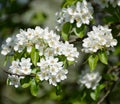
x=49, y=46
x=81, y=13
x=46, y=42
x=101, y=37
x=8, y=47
x=90, y=80
x=14, y=80
x=51, y=70
x=21, y=67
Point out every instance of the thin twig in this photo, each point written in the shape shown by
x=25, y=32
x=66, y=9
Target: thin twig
x=31, y=75
x=114, y=68
x=104, y=97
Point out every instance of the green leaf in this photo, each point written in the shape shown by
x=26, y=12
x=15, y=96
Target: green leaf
x=38, y=18
x=103, y=57
x=18, y=55
x=25, y=85
x=92, y=60
x=5, y=61
x=8, y=81
x=110, y=19
x=34, y=56
x=80, y=31
x=70, y=62
x=34, y=88
x=65, y=30
x=93, y=96
x=11, y=59
x=58, y=89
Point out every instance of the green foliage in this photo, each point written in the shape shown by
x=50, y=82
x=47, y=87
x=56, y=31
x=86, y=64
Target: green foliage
x=80, y=32
x=34, y=87
x=38, y=18
x=92, y=60
x=103, y=57
x=95, y=95
x=66, y=30
x=34, y=56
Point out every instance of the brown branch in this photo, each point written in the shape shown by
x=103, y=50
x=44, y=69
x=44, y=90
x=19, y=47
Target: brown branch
x=104, y=97
x=108, y=91
x=75, y=40
x=31, y=75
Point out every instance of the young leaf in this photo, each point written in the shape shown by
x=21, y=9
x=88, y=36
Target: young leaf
x=92, y=60
x=34, y=56
x=80, y=31
x=58, y=89
x=34, y=88
x=65, y=30
x=93, y=96
x=103, y=57
x=25, y=85
x=5, y=61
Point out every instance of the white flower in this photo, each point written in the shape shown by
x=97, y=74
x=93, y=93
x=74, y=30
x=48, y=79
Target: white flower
x=14, y=80
x=8, y=46
x=81, y=14
x=70, y=54
x=99, y=38
x=25, y=66
x=15, y=67
x=90, y=79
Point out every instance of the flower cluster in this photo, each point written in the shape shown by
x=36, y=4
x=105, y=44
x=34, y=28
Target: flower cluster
x=90, y=80
x=8, y=46
x=51, y=70
x=21, y=67
x=105, y=3
x=81, y=14
x=46, y=42
x=49, y=47
x=14, y=80
x=99, y=38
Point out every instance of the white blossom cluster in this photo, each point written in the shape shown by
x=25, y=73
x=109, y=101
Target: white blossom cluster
x=46, y=42
x=90, y=80
x=52, y=70
x=49, y=47
x=81, y=13
x=99, y=38
x=19, y=68
x=105, y=3
x=22, y=67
